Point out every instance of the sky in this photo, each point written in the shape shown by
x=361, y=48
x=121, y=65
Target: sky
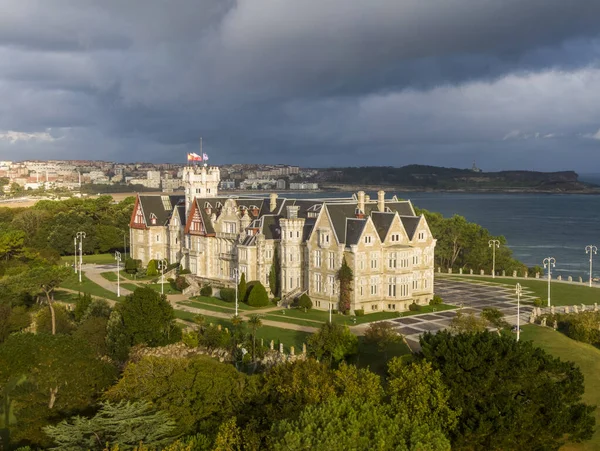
x=510, y=84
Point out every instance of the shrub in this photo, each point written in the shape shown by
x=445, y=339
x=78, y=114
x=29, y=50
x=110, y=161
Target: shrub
x=304, y=301
x=190, y=339
x=131, y=266
x=180, y=283
x=275, y=300
x=334, y=311
x=227, y=294
x=537, y=302
x=151, y=271
x=249, y=287
x=242, y=288
x=258, y=296
x=495, y=317
x=206, y=290
x=437, y=300
x=185, y=271
x=359, y=312
x=414, y=307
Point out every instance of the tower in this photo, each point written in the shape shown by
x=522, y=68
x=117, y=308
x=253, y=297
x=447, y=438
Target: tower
x=291, y=251
x=200, y=181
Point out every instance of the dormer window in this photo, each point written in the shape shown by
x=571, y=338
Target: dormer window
x=368, y=239
x=153, y=219
x=395, y=238
x=421, y=236
x=324, y=238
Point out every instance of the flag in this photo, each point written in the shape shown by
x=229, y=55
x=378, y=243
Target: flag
x=205, y=157
x=190, y=157
x=194, y=157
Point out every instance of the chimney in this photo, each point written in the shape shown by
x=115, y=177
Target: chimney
x=273, y=203
x=361, y=201
x=381, y=200
x=292, y=212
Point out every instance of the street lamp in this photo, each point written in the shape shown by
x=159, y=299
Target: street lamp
x=549, y=262
x=162, y=265
x=80, y=237
x=235, y=277
x=519, y=291
x=75, y=255
x=118, y=259
x=494, y=244
x=591, y=249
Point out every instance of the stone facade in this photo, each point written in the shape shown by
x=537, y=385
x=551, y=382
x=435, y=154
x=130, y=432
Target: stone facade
x=389, y=248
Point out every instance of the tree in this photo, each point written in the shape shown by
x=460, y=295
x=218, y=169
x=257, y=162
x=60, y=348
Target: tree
x=126, y=423
x=291, y=386
x=11, y=243
x=199, y=393
x=340, y=424
x=305, y=302
x=416, y=389
x=242, y=287
x=148, y=318
x=332, y=343
x=464, y=323
x=345, y=277
x=275, y=274
x=151, y=270
x=131, y=266
x=93, y=331
x=494, y=317
x=382, y=334
x=45, y=279
x=81, y=306
x=508, y=393
x=56, y=374
x=61, y=323
x=255, y=323
x=361, y=384
x=258, y=296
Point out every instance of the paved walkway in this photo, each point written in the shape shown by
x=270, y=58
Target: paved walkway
x=471, y=297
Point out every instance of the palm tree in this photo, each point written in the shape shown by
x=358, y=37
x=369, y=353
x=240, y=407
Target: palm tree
x=255, y=323
x=200, y=321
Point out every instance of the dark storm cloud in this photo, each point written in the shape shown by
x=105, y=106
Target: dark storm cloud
x=310, y=82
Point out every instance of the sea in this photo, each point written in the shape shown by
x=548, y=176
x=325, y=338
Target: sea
x=535, y=226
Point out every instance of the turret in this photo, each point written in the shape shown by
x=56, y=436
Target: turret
x=201, y=182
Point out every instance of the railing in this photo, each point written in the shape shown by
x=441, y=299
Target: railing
x=225, y=256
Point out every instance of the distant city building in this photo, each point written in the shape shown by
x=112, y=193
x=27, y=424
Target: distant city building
x=227, y=184
x=304, y=186
x=388, y=247
x=281, y=184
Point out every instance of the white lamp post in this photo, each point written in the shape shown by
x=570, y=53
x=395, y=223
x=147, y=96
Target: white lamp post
x=118, y=259
x=80, y=237
x=75, y=255
x=162, y=265
x=519, y=291
x=235, y=278
x=494, y=244
x=591, y=249
x=549, y=262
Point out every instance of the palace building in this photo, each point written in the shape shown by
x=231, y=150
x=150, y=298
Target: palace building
x=388, y=247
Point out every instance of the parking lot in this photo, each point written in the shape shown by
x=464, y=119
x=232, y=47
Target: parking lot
x=471, y=297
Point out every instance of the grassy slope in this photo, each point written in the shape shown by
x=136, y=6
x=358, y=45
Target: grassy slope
x=87, y=286
x=98, y=259
x=587, y=357
x=560, y=293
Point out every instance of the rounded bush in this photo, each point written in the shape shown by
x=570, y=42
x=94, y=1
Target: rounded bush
x=258, y=296
x=304, y=301
x=359, y=312
x=206, y=290
x=437, y=300
x=414, y=307
x=227, y=294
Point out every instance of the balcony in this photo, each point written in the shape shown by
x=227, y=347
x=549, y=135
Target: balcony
x=228, y=257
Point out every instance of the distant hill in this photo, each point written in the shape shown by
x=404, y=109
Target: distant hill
x=440, y=178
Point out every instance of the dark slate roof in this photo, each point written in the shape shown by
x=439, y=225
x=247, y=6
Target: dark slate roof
x=410, y=224
x=153, y=205
x=271, y=229
x=338, y=214
x=354, y=230
x=382, y=223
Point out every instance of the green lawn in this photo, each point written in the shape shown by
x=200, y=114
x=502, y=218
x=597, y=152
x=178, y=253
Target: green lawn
x=98, y=259
x=560, y=293
x=267, y=333
x=299, y=322
x=129, y=286
x=318, y=316
x=134, y=277
x=168, y=289
x=110, y=276
x=208, y=306
x=220, y=303
x=587, y=357
x=87, y=286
